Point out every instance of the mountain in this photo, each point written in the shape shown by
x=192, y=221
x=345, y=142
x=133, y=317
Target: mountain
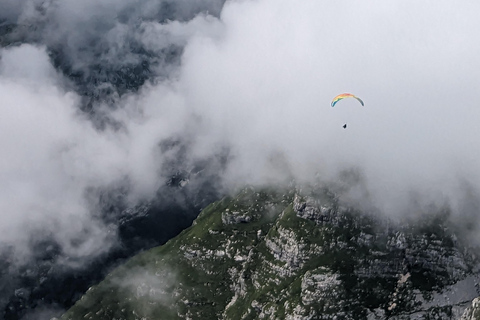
x=43, y=283
x=294, y=254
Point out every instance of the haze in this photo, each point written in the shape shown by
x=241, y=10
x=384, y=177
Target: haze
x=255, y=78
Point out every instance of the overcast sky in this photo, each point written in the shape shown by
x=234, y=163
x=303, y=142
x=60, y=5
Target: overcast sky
x=257, y=79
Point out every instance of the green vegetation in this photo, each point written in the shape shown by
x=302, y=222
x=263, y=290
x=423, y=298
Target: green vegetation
x=271, y=254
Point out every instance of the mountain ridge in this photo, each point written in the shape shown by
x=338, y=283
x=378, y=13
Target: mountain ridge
x=292, y=254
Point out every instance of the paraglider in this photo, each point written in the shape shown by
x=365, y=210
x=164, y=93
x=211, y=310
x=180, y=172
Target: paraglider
x=343, y=96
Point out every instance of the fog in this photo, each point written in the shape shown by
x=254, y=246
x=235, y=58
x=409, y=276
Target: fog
x=264, y=89
x=251, y=78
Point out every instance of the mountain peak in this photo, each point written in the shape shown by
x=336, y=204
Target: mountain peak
x=292, y=255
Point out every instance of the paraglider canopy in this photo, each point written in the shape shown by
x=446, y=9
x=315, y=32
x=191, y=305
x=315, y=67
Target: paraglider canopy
x=343, y=96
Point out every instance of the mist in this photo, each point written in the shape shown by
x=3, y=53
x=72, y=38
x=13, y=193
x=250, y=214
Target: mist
x=265, y=86
x=250, y=81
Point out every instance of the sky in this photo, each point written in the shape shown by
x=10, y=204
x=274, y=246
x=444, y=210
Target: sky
x=255, y=78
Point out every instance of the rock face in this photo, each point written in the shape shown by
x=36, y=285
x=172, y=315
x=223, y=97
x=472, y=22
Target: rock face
x=472, y=312
x=293, y=255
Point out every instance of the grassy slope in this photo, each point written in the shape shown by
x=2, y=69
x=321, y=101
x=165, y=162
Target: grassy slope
x=224, y=270
x=204, y=284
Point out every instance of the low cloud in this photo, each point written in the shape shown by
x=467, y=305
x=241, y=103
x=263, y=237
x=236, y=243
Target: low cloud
x=251, y=81
x=264, y=90
x=45, y=146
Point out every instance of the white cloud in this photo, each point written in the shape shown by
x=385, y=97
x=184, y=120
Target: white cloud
x=50, y=155
x=259, y=81
x=265, y=88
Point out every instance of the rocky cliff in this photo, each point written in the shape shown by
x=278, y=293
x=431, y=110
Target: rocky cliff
x=294, y=255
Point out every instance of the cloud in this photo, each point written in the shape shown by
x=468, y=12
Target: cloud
x=251, y=82
x=154, y=288
x=55, y=156
x=264, y=89
x=44, y=146
x=11, y=9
